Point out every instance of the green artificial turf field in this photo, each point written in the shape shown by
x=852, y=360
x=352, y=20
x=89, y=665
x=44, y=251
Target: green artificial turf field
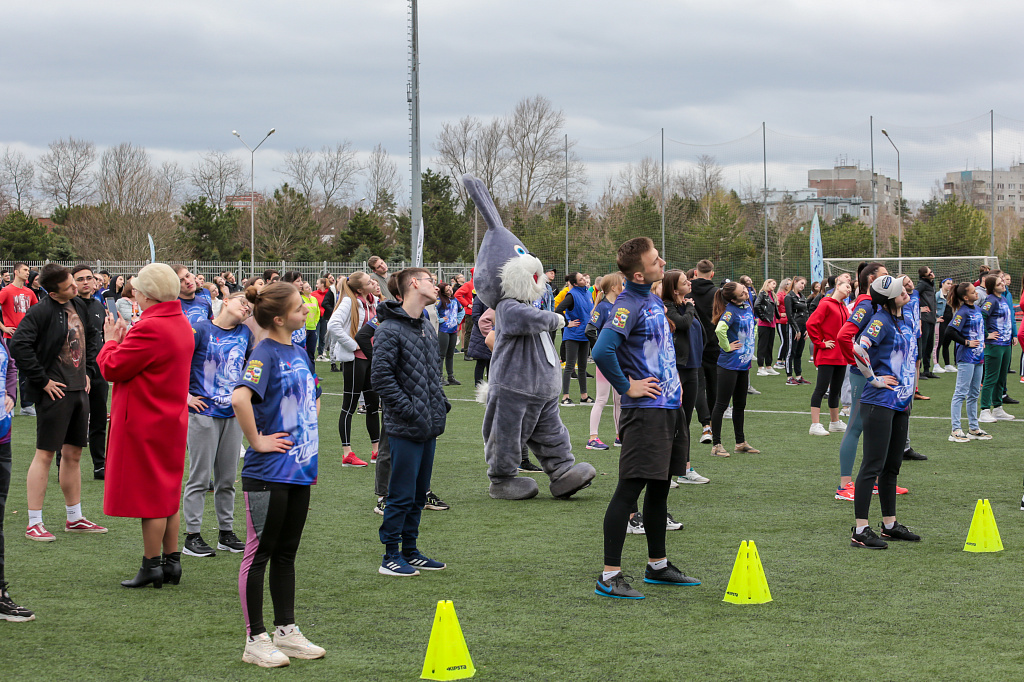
x=521, y=574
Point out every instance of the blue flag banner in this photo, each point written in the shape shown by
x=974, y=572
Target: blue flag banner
x=817, y=257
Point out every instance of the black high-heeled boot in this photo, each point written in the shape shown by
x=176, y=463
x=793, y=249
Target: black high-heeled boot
x=172, y=568
x=152, y=571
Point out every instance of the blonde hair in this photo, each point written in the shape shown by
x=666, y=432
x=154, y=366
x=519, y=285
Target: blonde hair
x=357, y=280
x=609, y=282
x=764, y=287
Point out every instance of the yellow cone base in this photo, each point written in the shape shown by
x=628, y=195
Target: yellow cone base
x=447, y=654
x=748, y=584
x=983, y=535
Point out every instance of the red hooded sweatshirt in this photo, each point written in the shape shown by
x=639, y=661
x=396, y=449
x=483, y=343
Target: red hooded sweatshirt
x=824, y=325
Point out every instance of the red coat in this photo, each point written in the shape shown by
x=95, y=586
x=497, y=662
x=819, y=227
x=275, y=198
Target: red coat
x=824, y=325
x=148, y=414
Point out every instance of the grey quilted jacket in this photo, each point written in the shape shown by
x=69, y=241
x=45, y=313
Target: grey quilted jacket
x=405, y=372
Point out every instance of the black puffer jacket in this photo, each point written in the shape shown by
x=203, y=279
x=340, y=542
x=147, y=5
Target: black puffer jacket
x=703, y=295
x=405, y=372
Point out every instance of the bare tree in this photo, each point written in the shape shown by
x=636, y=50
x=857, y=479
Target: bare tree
x=643, y=176
x=537, y=167
x=300, y=168
x=126, y=179
x=16, y=175
x=64, y=171
x=336, y=170
x=169, y=186
x=217, y=175
x=382, y=179
x=456, y=147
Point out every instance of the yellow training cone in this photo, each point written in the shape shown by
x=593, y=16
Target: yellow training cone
x=983, y=535
x=447, y=653
x=748, y=584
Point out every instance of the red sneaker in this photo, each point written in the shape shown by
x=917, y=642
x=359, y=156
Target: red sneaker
x=39, y=533
x=373, y=457
x=83, y=525
x=845, y=492
x=351, y=460
x=899, y=490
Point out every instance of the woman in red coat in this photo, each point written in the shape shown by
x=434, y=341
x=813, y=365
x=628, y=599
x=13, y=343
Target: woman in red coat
x=149, y=366
x=823, y=329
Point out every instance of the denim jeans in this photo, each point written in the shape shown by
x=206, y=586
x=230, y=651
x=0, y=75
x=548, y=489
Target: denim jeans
x=968, y=385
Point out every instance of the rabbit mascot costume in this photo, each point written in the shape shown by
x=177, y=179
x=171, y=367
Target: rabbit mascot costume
x=524, y=379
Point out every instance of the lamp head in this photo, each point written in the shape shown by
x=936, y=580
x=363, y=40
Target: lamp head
x=884, y=132
x=235, y=133
x=272, y=131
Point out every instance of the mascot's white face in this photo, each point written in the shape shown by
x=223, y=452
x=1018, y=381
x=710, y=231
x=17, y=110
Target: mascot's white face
x=522, y=277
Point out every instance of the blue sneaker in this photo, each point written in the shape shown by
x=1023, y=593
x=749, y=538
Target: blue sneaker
x=617, y=587
x=596, y=444
x=618, y=442
x=396, y=565
x=417, y=560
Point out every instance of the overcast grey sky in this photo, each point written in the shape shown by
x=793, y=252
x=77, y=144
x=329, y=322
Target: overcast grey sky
x=177, y=77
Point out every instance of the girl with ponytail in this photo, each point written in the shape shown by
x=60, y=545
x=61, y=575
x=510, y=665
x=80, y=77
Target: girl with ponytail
x=734, y=327
x=967, y=329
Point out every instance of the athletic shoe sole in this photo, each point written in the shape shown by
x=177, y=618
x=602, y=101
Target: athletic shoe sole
x=246, y=658
x=434, y=507
x=355, y=466
x=861, y=545
x=596, y=447
x=667, y=582
x=10, y=618
x=229, y=549
x=388, y=571
x=200, y=556
x=599, y=593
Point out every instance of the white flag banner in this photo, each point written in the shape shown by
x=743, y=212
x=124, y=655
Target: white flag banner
x=417, y=258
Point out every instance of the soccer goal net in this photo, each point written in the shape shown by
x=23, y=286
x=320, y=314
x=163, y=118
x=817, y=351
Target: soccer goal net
x=960, y=268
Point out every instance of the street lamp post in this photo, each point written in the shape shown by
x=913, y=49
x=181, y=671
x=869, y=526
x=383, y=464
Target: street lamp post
x=899, y=206
x=252, y=197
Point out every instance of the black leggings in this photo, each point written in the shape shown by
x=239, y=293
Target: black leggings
x=944, y=343
x=707, y=389
x=765, y=345
x=783, y=330
x=623, y=501
x=478, y=371
x=732, y=383
x=446, y=342
x=275, y=515
x=830, y=378
x=357, y=380
x=690, y=382
x=885, y=439
x=5, y=485
x=796, y=352
x=576, y=353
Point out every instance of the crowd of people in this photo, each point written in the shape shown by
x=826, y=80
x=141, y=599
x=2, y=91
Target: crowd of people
x=197, y=365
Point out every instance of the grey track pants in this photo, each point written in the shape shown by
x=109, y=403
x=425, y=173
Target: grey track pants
x=214, y=445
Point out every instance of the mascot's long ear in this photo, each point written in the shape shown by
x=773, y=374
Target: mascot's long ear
x=482, y=198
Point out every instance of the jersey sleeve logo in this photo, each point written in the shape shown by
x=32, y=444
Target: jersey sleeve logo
x=253, y=372
x=621, y=315
x=987, y=307
x=727, y=317
x=858, y=315
x=874, y=329
x=957, y=320
x=596, y=314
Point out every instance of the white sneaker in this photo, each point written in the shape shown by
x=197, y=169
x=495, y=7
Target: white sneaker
x=845, y=411
x=937, y=369
x=771, y=370
x=261, y=651
x=951, y=368
x=818, y=430
x=29, y=411
x=672, y=524
x=763, y=372
x=958, y=436
x=705, y=436
x=296, y=645
x=978, y=434
x=837, y=427
x=692, y=476
x=1001, y=414
x=728, y=413
x=672, y=483
x=985, y=417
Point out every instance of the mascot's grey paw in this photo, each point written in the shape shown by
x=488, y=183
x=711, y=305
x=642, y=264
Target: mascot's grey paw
x=520, y=488
x=572, y=481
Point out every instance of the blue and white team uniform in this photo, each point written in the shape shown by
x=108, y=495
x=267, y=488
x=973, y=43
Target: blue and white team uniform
x=860, y=316
x=998, y=318
x=742, y=327
x=912, y=312
x=970, y=366
x=217, y=365
x=892, y=348
x=969, y=321
x=448, y=317
x=284, y=402
x=199, y=308
x=602, y=311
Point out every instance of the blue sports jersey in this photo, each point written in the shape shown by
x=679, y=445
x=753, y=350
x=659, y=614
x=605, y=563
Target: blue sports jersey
x=448, y=317
x=968, y=321
x=284, y=402
x=893, y=352
x=997, y=315
x=299, y=337
x=647, y=349
x=696, y=344
x=582, y=307
x=912, y=312
x=601, y=313
x=860, y=316
x=217, y=364
x=741, y=322
x=5, y=416
x=199, y=308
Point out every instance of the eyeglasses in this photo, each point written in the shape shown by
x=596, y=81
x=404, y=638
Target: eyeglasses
x=85, y=279
x=428, y=279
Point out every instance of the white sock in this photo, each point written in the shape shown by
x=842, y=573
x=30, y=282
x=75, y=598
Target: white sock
x=74, y=512
x=888, y=526
x=35, y=516
x=658, y=565
x=284, y=630
x=861, y=529
x=607, y=575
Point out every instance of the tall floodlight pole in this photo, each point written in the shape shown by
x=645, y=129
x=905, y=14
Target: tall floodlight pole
x=663, y=193
x=252, y=197
x=567, y=203
x=992, y=142
x=899, y=206
x=874, y=199
x=414, y=133
x=764, y=165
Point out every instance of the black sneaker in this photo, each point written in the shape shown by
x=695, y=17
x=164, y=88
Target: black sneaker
x=867, y=539
x=635, y=526
x=334, y=367
x=379, y=507
x=452, y=381
x=435, y=503
x=229, y=542
x=617, y=587
x=567, y=402
x=670, y=575
x=99, y=474
x=1007, y=400
x=911, y=453
x=529, y=467
x=10, y=611
x=587, y=401
x=195, y=546
x=443, y=382
x=361, y=409
x=899, y=532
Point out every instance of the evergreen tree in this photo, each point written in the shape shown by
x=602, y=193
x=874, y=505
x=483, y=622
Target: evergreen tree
x=209, y=231
x=362, y=231
x=22, y=237
x=447, y=233
x=956, y=229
